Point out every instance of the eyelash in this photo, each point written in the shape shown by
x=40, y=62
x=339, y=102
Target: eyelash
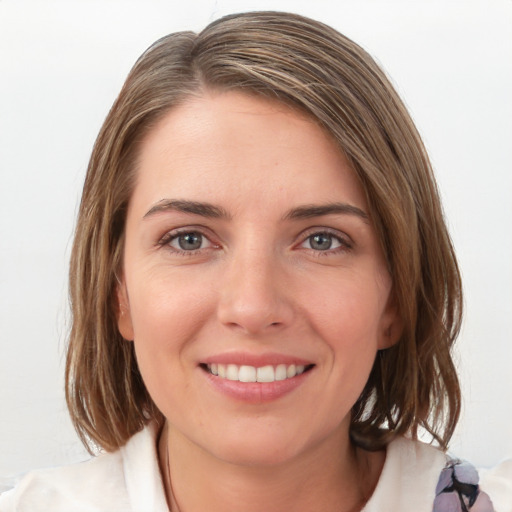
x=345, y=244
x=169, y=237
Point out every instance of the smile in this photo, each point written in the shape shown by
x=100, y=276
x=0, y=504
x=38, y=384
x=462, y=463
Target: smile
x=245, y=373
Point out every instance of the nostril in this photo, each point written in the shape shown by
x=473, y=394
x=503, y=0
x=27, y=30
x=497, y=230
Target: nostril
x=254, y=312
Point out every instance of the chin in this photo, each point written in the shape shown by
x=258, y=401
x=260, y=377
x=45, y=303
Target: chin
x=266, y=445
x=251, y=454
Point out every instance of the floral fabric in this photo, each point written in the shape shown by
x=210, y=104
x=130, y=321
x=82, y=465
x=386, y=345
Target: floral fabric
x=458, y=490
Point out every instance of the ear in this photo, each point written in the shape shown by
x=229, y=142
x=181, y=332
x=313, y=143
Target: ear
x=123, y=313
x=391, y=325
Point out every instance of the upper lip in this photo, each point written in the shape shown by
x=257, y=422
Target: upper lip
x=256, y=360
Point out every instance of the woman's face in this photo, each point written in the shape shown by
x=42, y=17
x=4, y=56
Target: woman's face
x=249, y=256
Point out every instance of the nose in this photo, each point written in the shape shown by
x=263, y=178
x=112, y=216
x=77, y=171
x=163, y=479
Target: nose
x=254, y=293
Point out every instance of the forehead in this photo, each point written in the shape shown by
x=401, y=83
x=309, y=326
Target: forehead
x=232, y=143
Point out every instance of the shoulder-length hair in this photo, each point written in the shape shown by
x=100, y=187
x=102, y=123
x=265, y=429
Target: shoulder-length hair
x=311, y=67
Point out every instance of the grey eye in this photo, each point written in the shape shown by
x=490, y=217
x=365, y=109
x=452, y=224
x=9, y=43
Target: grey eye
x=321, y=241
x=188, y=241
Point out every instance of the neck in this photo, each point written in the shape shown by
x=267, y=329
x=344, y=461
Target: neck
x=334, y=476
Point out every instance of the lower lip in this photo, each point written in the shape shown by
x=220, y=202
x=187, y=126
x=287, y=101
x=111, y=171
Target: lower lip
x=256, y=392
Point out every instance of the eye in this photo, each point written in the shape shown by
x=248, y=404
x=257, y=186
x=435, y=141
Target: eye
x=325, y=241
x=187, y=241
x=321, y=241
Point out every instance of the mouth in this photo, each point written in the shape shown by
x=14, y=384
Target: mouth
x=246, y=373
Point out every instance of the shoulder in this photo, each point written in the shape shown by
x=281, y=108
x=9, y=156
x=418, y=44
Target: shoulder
x=462, y=487
x=126, y=480
x=497, y=483
x=420, y=475
x=408, y=478
x=69, y=487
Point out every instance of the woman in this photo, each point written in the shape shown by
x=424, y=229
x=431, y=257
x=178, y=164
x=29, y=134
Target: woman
x=263, y=288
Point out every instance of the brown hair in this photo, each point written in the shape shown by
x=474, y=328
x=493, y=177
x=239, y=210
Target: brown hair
x=313, y=68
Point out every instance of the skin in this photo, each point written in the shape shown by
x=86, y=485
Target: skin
x=257, y=285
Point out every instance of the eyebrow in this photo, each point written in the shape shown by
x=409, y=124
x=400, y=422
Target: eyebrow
x=217, y=212
x=194, y=207
x=310, y=211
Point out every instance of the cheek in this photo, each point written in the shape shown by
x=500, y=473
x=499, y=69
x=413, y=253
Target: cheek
x=167, y=314
x=348, y=317
x=165, y=305
x=349, y=311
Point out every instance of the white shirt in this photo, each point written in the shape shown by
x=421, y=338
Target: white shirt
x=129, y=480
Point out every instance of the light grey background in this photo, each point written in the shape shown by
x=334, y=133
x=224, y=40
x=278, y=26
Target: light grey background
x=63, y=63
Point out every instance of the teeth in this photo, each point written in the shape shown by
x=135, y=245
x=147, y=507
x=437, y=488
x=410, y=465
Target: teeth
x=281, y=372
x=247, y=373
x=265, y=374
x=232, y=372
